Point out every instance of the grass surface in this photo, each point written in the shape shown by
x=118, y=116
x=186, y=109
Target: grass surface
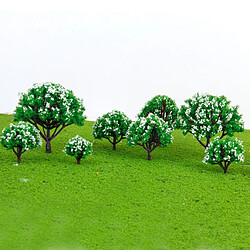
x=119, y=200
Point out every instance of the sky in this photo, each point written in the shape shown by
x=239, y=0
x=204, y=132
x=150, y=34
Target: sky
x=120, y=54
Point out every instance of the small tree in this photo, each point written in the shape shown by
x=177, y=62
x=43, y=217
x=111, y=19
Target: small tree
x=78, y=147
x=164, y=107
x=224, y=152
x=50, y=108
x=207, y=115
x=20, y=138
x=149, y=133
x=112, y=126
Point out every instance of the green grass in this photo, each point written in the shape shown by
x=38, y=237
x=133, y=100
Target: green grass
x=172, y=202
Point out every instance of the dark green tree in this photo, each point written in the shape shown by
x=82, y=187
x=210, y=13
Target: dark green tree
x=50, y=108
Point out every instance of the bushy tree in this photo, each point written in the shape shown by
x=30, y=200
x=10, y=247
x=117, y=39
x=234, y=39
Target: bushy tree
x=50, y=108
x=112, y=126
x=149, y=132
x=162, y=106
x=78, y=147
x=206, y=115
x=20, y=138
x=224, y=152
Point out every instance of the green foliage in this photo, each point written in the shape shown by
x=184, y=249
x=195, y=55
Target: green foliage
x=20, y=138
x=111, y=125
x=224, y=152
x=207, y=115
x=78, y=147
x=21, y=135
x=164, y=107
x=149, y=132
x=48, y=105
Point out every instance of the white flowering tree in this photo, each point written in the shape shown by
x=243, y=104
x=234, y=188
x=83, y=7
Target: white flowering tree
x=78, y=147
x=50, y=108
x=20, y=138
x=206, y=116
x=224, y=152
x=112, y=126
x=149, y=132
x=162, y=106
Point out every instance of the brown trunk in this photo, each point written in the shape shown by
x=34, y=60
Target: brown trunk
x=79, y=157
x=224, y=167
x=19, y=154
x=149, y=155
x=114, y=143
x=48, y=147
x=48, y=143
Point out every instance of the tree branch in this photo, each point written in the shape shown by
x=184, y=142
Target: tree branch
x=202, y=144
x=109, y=140
x=122, y=137
x=14, y=151
x=55, y=131
x=223, y=134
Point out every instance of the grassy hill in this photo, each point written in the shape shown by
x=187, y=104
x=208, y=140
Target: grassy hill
x=119, y=200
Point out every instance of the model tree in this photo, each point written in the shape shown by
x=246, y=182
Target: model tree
x=112, y=126
x=206, y=115
x=224, y=152
x=149, y=132
x=20, y=138
x=50, y=108
x=162, y=106
x=78, y=147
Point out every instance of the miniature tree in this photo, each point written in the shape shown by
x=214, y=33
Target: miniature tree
x=20, y=138
x=224, y=152
x=50, y=108
x=149, y=132
x=206, y=115
x=164, y=107
x=78, y=147
x=112, y=126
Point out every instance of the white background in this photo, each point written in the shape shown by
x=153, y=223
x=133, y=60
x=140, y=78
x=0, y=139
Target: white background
x=119, y=54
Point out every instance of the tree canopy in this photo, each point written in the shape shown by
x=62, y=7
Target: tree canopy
x=50, y=108
x=206, y=115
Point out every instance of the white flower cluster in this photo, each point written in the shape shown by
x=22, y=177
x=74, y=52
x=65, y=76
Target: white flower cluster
x=228, y=150
x=207, y=115
x=21, y=135
x=78, y=146
x=141, y=131
x=162, y=106
x=53, y=101
x=113, y=123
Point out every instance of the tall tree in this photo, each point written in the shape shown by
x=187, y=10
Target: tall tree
x=149, y=132
x=162, y=106
x=112, y=126
x=206, y=116
x=50, y=108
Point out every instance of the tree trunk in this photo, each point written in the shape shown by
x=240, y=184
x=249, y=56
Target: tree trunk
x=79, y=157
x=48, y=147
x=48, y=142
x=19, y=154
x=149, y=155
x=224, y=167
x=114, y=143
